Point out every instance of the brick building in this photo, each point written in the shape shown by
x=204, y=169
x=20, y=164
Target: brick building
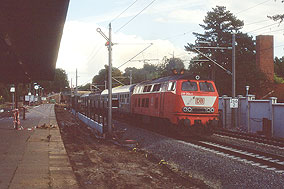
x=264, y=55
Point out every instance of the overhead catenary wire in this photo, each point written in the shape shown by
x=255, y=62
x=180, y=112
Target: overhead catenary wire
x=178, y=35
x=123, y=11
x=262, y=27
x=273, y=31
x=252, y=6
x=257, y=22
x=93, y=54
x=135, y=16
x=135, y=55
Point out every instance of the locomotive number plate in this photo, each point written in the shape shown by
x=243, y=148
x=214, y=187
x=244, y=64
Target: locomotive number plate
x=199, y=101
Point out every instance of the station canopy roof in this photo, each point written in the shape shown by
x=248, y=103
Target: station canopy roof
x=30, y=34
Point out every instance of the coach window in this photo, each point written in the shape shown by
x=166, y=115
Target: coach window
x=164, y=86
x=189, y=86
x=145, y=89
x=157, y=87
x=135, y=102
x=140, y=89
x=172, y=86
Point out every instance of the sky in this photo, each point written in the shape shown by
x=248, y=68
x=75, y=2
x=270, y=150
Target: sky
x=164, y=26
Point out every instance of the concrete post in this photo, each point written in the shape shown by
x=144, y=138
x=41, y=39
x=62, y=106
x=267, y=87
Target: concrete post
x=273, y=100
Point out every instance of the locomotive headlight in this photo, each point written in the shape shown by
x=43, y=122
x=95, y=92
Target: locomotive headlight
x=189, y=109
x=208, y=110
x=186, y=109
x=211, y=110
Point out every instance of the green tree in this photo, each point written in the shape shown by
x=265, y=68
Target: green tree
x=148, y=72
x=219, y=24
x=84, y=87
x=60, y=82
x=277, y=17
x=279, y=66
x=170, y=64
x=103, y=76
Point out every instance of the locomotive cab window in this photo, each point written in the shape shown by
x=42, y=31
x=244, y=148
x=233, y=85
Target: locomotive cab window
x=189, y=86
x=206, y=87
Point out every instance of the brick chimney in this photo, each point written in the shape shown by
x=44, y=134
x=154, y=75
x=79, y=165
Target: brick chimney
x=264, y=55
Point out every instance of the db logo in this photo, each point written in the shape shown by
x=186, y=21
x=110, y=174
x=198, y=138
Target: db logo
x=199, y=101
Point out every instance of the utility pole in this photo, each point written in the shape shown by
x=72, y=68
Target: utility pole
x=71, y=88
x=233, y=73
x=109, y=83
x=109, y=45
x=76, y=91
x=234, y=65
x=234, y=78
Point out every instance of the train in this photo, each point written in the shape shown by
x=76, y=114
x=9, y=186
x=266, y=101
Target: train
x=185, y=102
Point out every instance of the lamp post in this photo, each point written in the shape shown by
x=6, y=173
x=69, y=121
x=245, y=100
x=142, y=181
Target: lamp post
x=12, y=90
x=247, y=90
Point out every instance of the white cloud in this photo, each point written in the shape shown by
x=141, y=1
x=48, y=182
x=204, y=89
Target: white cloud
x=82, y=47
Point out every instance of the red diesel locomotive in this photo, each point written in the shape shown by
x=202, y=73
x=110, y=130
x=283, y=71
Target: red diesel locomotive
x=182, y=100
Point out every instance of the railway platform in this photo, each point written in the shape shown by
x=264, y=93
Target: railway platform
x=34, y=157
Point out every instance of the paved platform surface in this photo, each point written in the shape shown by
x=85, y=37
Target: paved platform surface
x=34, y=158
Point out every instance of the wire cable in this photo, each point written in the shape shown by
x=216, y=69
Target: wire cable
x=252, y=7
x=135, y=55
x=135, y=16
x=272, y=31
x=178, y=35
x=262, y=27
x=123, y=11
x=257, y=22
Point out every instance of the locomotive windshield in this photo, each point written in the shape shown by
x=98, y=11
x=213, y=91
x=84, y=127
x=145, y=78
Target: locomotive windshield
x=206, y=87
x=189, y=86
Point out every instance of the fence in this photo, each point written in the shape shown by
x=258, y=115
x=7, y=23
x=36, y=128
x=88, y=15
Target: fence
x=89, y=122
x=254, y=116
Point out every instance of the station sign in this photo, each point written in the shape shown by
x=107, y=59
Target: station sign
x=27, y=98
x=12, y=89
x=234, y=103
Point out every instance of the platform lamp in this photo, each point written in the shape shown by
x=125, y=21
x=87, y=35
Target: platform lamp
x=13, y=90
x=247, y=90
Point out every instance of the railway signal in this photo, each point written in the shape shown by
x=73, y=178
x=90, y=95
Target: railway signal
x=109, y=45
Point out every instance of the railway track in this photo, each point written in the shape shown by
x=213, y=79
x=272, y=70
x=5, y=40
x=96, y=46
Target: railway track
x=251, y=137
x=254, y=157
